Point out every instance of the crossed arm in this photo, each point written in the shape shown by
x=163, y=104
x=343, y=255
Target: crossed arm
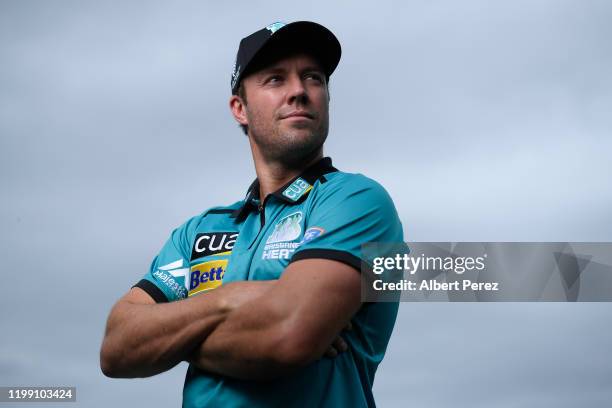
x=248, y=330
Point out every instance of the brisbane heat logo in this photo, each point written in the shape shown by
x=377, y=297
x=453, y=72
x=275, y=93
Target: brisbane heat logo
x=278, y=244
x=287, y=229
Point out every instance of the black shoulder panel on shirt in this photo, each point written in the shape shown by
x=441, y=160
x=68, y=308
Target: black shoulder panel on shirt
x=332, y=254
x=220, y=211
x=153, y=291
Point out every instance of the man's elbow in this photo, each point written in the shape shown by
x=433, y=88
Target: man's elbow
x=109, y=363
x=297, y=348
x=108, y=369
x=114, y=368
x=115, y=364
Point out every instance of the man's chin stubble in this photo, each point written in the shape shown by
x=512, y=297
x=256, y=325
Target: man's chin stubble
x=295, y=149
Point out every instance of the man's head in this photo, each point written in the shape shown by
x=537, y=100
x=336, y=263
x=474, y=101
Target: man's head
x=280, y=89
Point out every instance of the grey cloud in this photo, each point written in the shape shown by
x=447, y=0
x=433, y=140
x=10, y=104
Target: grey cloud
x=485, y=121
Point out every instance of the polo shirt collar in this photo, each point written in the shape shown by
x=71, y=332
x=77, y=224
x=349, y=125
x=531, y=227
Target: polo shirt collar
x=292, y=192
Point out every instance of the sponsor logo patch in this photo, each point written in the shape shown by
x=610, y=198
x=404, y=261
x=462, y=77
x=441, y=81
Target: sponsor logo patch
x=175, y=268
x=167, y=275
x=297, y=189
x=311, y=233
x=206, y=276
x=213, y=243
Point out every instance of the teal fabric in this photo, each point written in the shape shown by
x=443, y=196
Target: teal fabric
x=324, y=213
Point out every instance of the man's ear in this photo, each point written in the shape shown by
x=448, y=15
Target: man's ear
x=238, y=108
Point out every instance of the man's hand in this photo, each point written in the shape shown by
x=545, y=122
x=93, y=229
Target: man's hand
x=339, y=345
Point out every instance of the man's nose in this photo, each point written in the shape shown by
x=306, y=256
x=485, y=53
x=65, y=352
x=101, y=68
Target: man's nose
x=297, y=91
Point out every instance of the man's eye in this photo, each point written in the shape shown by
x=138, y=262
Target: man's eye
x=274, y=79
x=316, y=77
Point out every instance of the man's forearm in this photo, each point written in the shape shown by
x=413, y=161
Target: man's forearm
x=291, y=326
x=228, y=350
x=146, y=339
x=255, y=342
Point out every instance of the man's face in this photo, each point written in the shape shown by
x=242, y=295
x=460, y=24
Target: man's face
x=287, y=108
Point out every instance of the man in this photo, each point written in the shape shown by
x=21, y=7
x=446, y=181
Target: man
x=254, y=294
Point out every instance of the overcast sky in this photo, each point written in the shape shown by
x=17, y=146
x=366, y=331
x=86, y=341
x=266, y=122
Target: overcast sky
x=486, y=121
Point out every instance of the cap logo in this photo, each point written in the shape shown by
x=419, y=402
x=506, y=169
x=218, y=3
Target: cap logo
x=275, y=26
x=235, y=72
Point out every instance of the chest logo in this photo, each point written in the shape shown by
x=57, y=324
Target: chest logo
x=287, y=229
x=279, y=245
x=213, y=243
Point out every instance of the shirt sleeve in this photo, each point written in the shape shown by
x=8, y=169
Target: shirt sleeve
x=347, y=214
x=165, y=280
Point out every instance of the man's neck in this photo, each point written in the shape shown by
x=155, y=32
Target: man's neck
x=274, y=175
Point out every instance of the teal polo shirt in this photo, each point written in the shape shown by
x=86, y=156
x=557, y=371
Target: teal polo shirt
x=322, y=213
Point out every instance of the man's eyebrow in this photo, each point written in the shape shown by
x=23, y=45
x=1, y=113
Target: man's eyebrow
x=272, y=70
x=313, y=68
x=279, y=70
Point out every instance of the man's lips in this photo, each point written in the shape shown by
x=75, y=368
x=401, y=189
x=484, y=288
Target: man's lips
x=298, y=114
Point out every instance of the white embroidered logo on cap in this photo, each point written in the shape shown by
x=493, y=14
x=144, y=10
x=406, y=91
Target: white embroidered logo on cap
x=235, y=71
x=275, y=26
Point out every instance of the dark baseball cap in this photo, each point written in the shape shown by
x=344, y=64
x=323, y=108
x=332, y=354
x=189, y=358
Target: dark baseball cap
x=279, y=39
